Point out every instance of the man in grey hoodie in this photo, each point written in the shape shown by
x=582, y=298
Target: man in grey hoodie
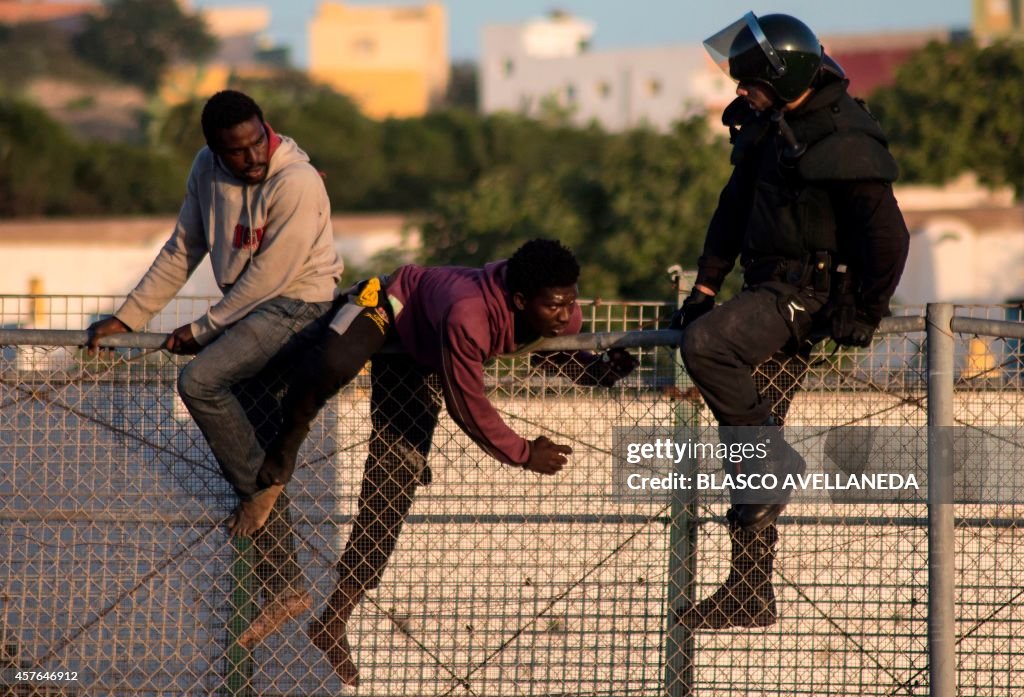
x=257, y=206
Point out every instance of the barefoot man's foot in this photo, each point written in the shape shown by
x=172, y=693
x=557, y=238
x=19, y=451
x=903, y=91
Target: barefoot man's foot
x=251, y=515
x=328, y=632
x=273, y=615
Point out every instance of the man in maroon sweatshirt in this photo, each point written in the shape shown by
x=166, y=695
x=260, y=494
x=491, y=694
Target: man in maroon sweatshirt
x=448, y=320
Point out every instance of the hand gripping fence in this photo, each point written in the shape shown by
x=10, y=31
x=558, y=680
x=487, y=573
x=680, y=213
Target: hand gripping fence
x=117, y=576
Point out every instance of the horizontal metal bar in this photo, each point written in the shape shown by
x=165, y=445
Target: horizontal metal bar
x=988, y=327
x=74, y=338
x=599, y=341
x=80, y=516
x=149, y=340
x=902, y=325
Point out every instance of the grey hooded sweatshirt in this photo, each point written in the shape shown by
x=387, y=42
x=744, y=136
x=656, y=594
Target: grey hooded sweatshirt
x=265, y=240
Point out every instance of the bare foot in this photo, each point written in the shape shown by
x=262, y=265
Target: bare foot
x=328, y=633
x=251, y=515
x=273, y=615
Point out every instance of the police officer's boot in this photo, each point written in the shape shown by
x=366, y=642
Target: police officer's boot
x=747, y=598
x=758, y=510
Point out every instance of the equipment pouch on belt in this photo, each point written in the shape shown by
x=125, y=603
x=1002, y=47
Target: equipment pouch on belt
x=797, y=309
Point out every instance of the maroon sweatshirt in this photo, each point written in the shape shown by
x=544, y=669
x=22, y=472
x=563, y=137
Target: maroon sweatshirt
x=451, y=319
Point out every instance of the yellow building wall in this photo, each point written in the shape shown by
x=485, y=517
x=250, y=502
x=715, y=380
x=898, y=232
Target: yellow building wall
x=184, y=82
x=382, y=93
x=392, y=60
x=993, y=19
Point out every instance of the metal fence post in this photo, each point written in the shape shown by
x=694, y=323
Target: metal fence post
x=941, y=571
x=239, y=664
x=682, y=552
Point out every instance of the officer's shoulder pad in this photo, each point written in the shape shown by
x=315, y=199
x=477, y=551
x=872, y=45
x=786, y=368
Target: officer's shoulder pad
x=848, y=155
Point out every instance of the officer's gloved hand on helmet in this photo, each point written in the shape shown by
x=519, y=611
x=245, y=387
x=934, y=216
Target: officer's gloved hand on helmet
x=696, y=304
x=852, y=326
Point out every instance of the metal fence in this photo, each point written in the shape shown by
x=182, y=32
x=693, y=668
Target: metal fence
x=115, y=567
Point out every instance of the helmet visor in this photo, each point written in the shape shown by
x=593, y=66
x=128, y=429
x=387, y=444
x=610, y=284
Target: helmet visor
x=743, y=52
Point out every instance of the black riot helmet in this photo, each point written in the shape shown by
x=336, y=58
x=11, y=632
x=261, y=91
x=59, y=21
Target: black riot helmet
x=776, y=50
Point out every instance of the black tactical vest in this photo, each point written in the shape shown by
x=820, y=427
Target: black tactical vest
x=791, y=211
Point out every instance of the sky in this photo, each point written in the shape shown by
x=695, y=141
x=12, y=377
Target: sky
x=628, y=23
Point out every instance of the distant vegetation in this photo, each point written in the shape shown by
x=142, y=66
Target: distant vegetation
x=958, y=108
x=31, y=51
x=631, y=203
x=136, y=40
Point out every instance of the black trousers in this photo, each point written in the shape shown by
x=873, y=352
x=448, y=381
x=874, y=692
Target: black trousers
x=405, y=401
x=767, y=325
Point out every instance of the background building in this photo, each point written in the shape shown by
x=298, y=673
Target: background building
x=997, y=19
x=393, y=61
x=244, y=47
x=871, y=60
x=546, y=64
x=65, y=15
x=966, y=244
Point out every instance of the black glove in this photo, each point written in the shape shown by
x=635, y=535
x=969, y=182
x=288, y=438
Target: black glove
x=608, y=368
x=850, y=326
x=696, y=304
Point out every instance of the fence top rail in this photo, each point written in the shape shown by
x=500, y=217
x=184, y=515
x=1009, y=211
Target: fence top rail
x=988, y=327
x=599, y=341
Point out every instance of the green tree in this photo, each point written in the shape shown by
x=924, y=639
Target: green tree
x=37, y=161
x=463, y=92
x=957, y=108
x=652, y=198
x=136, y=40
x=46, y=171
x=121, y=178
x=427, y=156
x=630, y=204
x=28, y=51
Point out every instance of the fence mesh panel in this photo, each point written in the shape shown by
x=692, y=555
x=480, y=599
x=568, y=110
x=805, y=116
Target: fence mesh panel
x=989, y=412
x=115, y=564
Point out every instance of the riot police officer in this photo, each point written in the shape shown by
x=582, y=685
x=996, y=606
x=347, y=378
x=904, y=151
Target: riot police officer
x=810, y=214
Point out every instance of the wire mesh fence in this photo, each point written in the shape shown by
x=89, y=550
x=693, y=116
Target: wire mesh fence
x=115, y=566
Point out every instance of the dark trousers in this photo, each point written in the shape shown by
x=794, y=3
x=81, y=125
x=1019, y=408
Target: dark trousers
x=404, y=406
x=767, y=325
x=233, y=388
x=276, y=567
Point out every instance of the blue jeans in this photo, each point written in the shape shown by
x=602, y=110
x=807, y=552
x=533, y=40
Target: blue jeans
x=233, y=388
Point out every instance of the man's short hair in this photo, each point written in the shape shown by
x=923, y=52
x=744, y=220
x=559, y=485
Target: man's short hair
x=226, y=109
x=541, y=264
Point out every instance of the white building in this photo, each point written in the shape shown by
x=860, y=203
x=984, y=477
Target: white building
x=966, y=244
x=546, y=64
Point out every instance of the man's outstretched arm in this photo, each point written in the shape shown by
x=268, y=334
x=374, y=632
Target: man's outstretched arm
x=462, y=382
x=585, y=368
